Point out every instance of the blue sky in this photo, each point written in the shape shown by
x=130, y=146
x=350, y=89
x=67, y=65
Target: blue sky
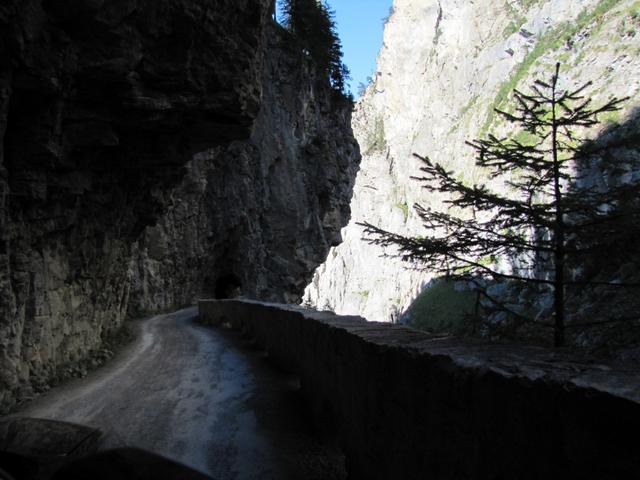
x=360, y=25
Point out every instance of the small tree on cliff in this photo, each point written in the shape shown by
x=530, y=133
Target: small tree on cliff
x=544, y=223
x=313, y=24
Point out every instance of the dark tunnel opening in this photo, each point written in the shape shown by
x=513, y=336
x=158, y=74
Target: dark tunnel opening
x=227, y=286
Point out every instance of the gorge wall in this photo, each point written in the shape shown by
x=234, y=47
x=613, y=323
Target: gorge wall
x=142, y=142
x=443, y=67
x=259, y=215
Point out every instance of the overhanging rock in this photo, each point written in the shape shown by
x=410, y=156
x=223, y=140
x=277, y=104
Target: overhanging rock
x=410, y=406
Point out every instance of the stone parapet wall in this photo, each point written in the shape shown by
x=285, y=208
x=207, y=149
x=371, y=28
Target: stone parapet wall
x=409, y=406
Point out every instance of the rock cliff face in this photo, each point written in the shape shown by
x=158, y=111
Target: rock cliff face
x=444, y=66
x=257, y=217
x=102, y=108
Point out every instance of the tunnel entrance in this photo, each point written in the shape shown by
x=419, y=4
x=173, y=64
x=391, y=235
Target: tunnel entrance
x=227, y=286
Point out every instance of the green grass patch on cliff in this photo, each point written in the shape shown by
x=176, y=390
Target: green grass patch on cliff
x=526, y=138
x=518, y=19
x=527, y=4
x=405, y=209
x=551, y=40
x=611, y=117
x=441, y=308
x=465, y=110
x=630, y=24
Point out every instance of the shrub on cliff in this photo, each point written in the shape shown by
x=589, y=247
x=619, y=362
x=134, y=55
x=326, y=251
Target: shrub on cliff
x=313, y=24
x=548, y=217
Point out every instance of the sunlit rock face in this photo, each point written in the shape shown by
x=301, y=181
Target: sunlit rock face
x=104, y=209
x=442, y=69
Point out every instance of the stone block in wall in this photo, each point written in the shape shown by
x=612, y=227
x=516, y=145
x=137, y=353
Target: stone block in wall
x=407, y=405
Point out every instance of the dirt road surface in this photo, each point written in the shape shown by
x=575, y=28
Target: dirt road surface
x=202, y=396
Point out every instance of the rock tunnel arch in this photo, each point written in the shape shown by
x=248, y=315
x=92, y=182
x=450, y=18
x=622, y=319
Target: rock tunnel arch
x=227, y=286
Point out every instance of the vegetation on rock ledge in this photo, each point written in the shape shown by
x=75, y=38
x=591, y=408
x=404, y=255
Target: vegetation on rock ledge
x=313, y=25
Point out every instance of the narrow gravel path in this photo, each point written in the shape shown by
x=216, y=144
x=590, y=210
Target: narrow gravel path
x=201, y=396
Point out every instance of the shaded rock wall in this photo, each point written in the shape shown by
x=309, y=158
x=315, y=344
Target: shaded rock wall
x=260, y=214
x=102, y=108
x=410, y=406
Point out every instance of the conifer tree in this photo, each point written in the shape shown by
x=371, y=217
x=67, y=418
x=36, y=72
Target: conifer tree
x=545, y=219
x=313, y=24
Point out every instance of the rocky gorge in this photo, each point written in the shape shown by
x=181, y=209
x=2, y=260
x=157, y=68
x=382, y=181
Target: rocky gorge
x=157, y=152
x=443, y=68
x=154, y=152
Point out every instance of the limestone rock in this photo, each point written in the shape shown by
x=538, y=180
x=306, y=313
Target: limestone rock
x=443, y=67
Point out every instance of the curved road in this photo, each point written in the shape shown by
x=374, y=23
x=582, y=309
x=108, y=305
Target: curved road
x=201, y=396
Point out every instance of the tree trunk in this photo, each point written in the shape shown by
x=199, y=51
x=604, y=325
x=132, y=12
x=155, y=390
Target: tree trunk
x=558, y=227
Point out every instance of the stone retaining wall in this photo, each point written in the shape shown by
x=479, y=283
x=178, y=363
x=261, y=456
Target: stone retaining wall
x=409, y=406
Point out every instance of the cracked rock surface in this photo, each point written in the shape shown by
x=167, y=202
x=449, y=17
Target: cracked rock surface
x=150, y=148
